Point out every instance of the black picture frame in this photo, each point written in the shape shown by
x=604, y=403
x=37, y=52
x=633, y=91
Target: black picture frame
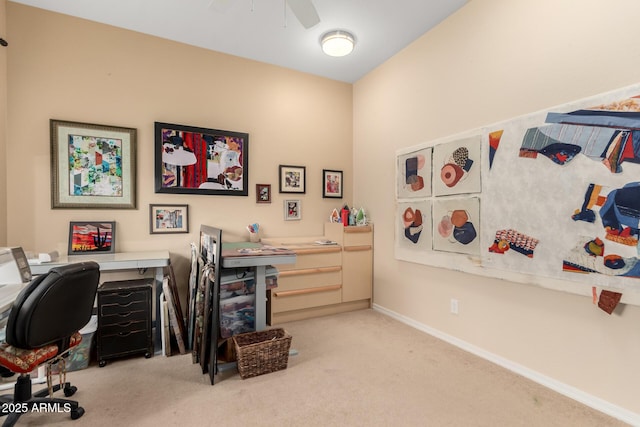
x=292, y=179
x=92, y=237
x=332, y=183
x=211, y=253
x=196, y=160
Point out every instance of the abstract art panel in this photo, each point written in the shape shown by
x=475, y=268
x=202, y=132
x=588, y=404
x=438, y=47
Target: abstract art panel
x=456, y=225
x=413, y=225
x=414, y=174
x=456, y=167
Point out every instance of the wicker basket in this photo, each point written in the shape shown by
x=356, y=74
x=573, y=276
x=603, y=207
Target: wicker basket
x=262, y=352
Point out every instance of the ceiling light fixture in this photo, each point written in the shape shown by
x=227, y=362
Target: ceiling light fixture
x=337, y=43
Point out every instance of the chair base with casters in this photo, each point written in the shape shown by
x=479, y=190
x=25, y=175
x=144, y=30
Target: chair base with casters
x=23, y=400
x=43, y=324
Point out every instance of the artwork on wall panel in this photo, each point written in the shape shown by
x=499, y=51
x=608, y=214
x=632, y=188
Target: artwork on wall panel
x=559, y=192
x=92, y=166
x=413, y=225
x=456, y=167
x=195, y=160
x=456, y=225
x=414, y=174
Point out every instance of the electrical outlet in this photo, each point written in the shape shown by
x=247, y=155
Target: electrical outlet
x=454, y=306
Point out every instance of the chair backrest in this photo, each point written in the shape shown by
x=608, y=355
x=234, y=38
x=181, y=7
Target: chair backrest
x=53, y=306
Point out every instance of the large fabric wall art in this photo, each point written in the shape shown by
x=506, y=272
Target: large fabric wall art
x=560, y=198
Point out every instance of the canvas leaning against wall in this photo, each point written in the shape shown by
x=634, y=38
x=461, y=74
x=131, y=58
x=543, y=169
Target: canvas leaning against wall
x=559, y=192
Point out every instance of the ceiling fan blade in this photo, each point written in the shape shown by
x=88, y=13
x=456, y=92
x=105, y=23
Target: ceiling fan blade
x=305, y=12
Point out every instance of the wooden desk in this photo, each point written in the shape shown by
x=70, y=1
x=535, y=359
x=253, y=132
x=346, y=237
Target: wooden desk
x=157, y=260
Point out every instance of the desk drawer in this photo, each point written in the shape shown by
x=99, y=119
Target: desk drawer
x=127, y=317
x=124, y=343
x=122, y=308
x=124, y=296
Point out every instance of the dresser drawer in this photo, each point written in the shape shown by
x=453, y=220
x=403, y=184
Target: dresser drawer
x=311, y=260
x=299, y=299
x=124, y=296
x=358, y=237
x=291, y=280
x=126, y=317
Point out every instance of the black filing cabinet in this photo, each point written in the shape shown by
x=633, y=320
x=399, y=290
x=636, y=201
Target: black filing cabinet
x=124, y=319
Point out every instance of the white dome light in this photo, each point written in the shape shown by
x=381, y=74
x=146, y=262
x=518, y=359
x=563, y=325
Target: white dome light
x=337, y=43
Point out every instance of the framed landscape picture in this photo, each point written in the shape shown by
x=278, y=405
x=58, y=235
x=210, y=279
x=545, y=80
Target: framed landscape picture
x=92, y=237
x=195, y=160
x=92, y=166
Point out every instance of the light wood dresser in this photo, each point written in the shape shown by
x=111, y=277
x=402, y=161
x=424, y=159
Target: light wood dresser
x=325, y=279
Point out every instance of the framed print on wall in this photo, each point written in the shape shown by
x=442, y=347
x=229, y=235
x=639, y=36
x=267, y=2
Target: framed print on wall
x=292, y=179
x=194, y=160
x=292, y=210
x=165, y=219
x=90, y=237
x=92, y=166
x=331, y=184
x=263, y=193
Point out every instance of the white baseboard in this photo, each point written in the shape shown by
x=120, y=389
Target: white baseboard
x=578, y=395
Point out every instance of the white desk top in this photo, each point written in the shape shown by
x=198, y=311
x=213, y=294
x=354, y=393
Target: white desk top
x=245, y=254
x=8, y=294
x=116, y=261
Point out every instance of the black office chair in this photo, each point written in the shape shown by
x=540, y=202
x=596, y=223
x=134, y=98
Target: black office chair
x=43, y=325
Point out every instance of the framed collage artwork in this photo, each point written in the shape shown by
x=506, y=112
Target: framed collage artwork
x=92, y=166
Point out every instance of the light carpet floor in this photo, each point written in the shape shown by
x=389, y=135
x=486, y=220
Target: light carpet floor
x=353, y=369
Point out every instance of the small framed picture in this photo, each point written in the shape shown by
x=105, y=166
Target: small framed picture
x=292, y=210
x=292, y=179
x=95, y=237
x=263, y=193
x=331, y=184
x=164, y=219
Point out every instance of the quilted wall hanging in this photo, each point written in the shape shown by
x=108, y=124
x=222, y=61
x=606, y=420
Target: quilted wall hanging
x=555, y=194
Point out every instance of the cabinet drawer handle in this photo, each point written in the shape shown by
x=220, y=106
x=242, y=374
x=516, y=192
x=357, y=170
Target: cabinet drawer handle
x=357, y=248
x=307, y=291
x=300, y=272
x=321, y=250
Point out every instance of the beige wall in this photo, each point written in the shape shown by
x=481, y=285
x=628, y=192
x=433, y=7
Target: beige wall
x=491, y=61
x=65, y=68
x=3, y=126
